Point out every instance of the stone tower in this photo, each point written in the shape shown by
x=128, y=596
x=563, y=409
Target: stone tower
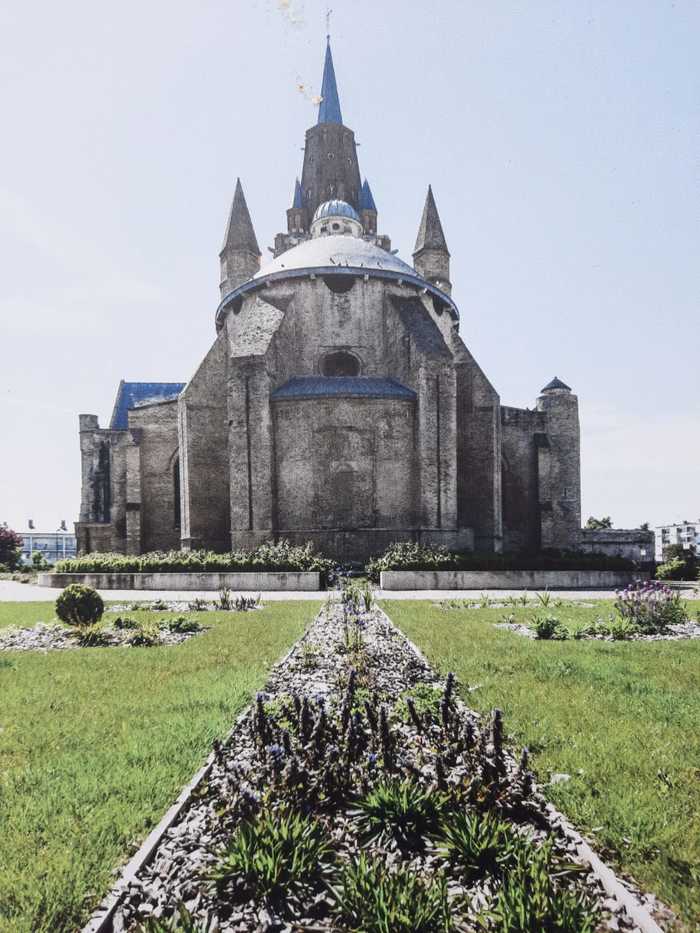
x=330, y=167
x=240, y=254
x=430, y=256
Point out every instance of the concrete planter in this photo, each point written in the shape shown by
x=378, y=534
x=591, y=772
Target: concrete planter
x=251, y=581
x=507, y=579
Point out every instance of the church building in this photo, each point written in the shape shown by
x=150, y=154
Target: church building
x=338, y=403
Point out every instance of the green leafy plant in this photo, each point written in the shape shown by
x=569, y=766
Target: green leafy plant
x=650, y=606
x=180, y=922
x=146, y=636
x=79, y=605
x=528, y=900
x=478, y=844
x=125, y=623
x=91, y=636
x=181, y=625
x=370, y=898
x=401, y=811
x=544, y=599
x=278, y=854
x=550, y=628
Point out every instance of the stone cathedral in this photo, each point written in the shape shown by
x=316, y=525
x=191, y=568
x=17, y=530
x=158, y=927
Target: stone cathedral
x=338, y=403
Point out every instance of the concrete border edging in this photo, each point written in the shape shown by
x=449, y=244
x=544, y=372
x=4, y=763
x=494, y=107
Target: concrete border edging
x=243, y=581
x=507, y=579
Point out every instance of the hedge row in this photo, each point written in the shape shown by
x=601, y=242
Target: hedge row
x=409, y=556
x=283, y=556
x=272, y=556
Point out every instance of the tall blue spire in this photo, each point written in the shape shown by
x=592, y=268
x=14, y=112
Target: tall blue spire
x=298, y=200
x=329, y=108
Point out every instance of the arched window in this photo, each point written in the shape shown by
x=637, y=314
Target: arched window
x=340, y=363
x=176, y=493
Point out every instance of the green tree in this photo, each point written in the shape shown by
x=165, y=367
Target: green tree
x=596, y=524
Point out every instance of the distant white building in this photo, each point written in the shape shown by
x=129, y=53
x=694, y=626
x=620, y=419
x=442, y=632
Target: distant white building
x=52, y=545
x=686, y=534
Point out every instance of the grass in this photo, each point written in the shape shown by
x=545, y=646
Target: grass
x=95, y=745
x=621, y=718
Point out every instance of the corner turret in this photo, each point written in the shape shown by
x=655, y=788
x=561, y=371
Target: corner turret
x=368, y=209
x=240, y=254
x=431, y=258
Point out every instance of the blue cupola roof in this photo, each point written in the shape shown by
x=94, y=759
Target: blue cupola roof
x=366, y=199
x=335, y=208
x=298, y=200
x=329, y=108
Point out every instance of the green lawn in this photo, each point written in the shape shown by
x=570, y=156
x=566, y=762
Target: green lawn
x=95, y=745
x=623, y=719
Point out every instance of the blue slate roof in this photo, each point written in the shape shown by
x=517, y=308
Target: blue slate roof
x=343, y=387
x=135, y=394
x=366, y=199
x=329, y=108
x=556, y=383
x=298, y=200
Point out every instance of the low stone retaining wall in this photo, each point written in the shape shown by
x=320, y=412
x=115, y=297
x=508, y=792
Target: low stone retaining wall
x=507, y=579
x=253, y=582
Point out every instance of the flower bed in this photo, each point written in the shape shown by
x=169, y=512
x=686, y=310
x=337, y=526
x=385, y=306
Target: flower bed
x=359, y=793
x=123, y=632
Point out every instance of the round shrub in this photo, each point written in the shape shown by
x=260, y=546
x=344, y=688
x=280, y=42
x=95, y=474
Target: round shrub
x=79, y=605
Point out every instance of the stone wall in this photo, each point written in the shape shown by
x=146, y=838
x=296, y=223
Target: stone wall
x=151, y=480
x=521, y=520
x=203, y=444
x=619, y=542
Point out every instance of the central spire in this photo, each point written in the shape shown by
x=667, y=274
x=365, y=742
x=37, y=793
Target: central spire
x=329, y=108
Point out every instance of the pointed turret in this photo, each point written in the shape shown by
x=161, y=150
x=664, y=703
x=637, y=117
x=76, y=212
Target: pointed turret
x=297, y=220
x=330, y=155
x=240, y=254
x=329, y=108
x=431, y=258
x=368, y=209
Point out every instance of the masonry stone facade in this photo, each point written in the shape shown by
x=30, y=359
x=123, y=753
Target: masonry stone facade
x=338, y=403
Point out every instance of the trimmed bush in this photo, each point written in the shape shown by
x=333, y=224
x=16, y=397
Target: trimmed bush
x=271, y=556
x=407, y=555
x=79, y=605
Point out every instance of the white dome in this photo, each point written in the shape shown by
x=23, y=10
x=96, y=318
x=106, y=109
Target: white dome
x=335, y=208
x=328, y=251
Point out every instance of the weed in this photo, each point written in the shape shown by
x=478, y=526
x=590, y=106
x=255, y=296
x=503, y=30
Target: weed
x=550, y=628
x=125, y=623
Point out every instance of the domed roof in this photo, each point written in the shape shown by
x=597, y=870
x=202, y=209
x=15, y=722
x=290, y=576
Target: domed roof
x=336, y=250
x=335, y=208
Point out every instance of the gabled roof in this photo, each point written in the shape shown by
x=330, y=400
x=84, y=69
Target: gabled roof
x=329, y=108
x=136, y=394
x=556, y=383
x=430, y=234
x=343, y=387
x=366, y=199
x=239, y=229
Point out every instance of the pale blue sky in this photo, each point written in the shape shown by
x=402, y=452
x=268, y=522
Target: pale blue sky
x=560, y=137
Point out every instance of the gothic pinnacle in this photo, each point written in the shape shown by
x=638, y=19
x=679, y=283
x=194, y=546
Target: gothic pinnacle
x=430, y=233
x=240, y=235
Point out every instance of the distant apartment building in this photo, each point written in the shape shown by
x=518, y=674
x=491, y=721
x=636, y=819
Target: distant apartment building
x=52, y=545
x=686, y=534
